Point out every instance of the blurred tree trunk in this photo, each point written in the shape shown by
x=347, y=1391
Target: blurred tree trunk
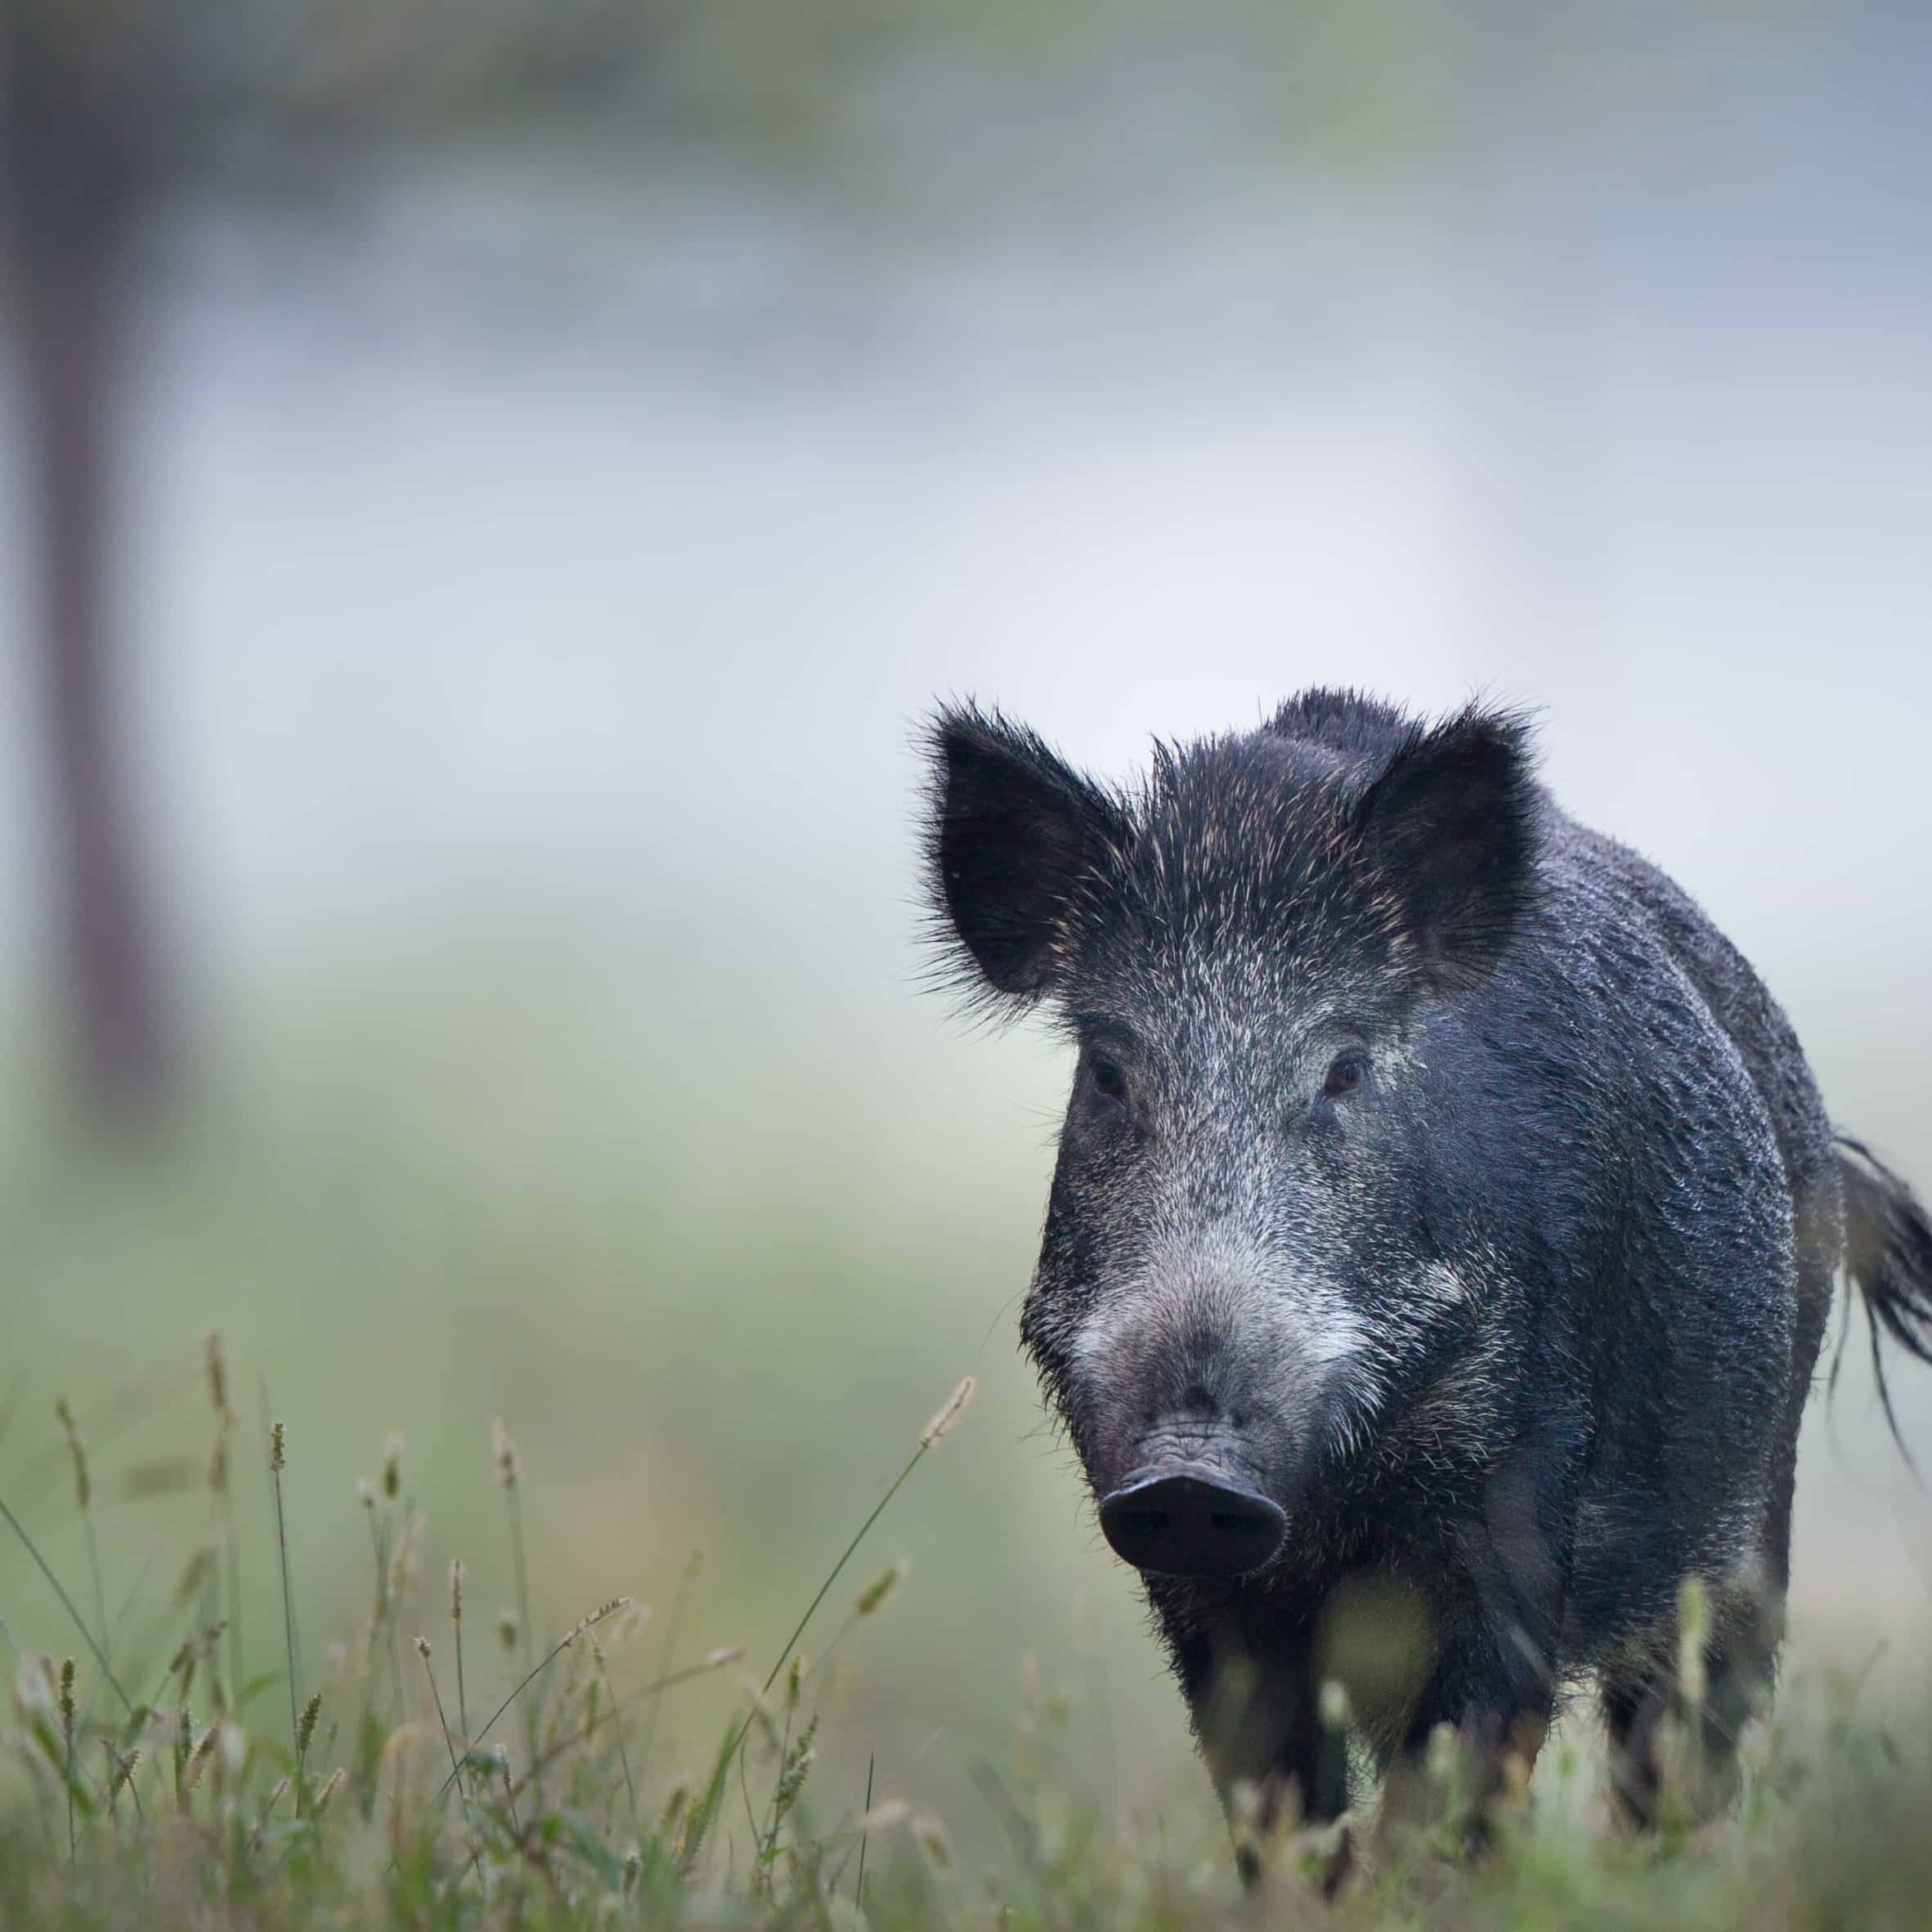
x=71, y=149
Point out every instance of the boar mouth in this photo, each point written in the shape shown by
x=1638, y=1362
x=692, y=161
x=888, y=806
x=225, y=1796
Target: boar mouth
x=1190, y=1518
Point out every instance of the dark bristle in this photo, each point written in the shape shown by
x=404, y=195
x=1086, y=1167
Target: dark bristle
x=1341, y=825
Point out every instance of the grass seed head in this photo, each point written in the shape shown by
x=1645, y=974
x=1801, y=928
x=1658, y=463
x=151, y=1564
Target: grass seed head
x=502, y=1452
x=199, y=1756
x=405, y=1556
x=77, y=1448
x=955, y=1406
x=595, y=1617
x=278, y=1448
x=507, y=1631
x=392, y=1465
x=66, y=1698
x=791, y=1782
x=331, y=1785
x=456, y=1589
x=305, y=1725
x=871, y=1599
x=195, y=1650
x=218, y=1375
x=675, y=1799
x=423, y=1648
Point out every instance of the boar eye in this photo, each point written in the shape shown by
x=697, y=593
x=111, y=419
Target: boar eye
x=1345, y=1074
x=1109, y=1081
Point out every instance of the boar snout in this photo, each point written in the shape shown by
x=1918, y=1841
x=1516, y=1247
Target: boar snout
x=1192, y=1519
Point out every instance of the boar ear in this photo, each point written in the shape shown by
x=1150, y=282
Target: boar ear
x=1012, y=833
x=1449, y=831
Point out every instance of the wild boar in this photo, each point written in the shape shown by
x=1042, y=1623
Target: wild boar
x=1442, y=1238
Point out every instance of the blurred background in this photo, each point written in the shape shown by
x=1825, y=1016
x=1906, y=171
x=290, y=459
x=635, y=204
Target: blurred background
x=486, y=492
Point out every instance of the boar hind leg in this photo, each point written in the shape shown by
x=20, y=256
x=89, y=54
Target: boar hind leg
x=1673, y=1742
x=1643, y=1702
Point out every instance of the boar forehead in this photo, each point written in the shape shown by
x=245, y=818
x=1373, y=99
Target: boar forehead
x=1240, y=892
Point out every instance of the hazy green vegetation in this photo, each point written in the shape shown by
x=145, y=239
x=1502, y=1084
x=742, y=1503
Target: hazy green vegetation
x=437, y=1763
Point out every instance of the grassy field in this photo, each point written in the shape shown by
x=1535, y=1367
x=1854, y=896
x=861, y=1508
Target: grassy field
x=436, y=1763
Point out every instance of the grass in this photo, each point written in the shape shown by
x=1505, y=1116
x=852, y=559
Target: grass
x=159, y=1789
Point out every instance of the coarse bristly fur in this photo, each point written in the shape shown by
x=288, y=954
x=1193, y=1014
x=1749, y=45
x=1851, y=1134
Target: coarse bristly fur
x=1434, y=1171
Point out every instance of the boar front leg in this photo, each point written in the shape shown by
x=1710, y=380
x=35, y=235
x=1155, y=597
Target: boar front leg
x=1498, y=1701
x=1494, y=1677
x=1255, y=1703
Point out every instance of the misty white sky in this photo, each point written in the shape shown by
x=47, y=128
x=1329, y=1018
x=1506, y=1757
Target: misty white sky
x=479, y=553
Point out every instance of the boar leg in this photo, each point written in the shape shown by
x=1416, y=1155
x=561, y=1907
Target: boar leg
x=1258, y=1717
x=1492, y=1687
x=1496, y=1642
x=1739, y=1663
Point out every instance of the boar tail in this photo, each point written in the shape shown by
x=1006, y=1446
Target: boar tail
x=1887, y=1255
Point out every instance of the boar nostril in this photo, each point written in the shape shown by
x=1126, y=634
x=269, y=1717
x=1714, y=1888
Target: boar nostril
x=1198, y=1400
x=1184, y=1520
